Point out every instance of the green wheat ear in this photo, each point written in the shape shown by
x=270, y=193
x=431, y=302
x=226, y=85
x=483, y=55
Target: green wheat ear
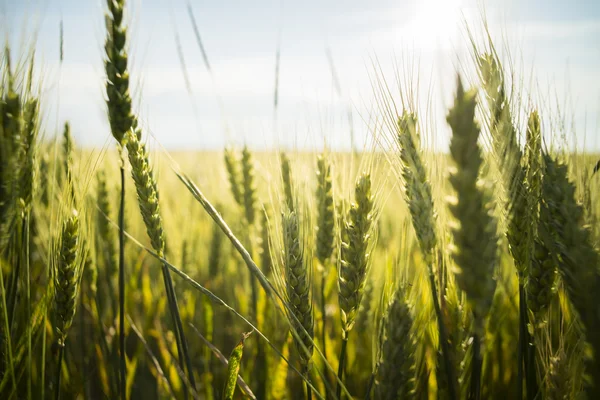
x=105, y=231
x=145, y=185
x=298, y=284
x=67, y=276
x=286, y=176
x=234, y=175
x=355, y=252
x=68, y=152
x=117, y=84
x=475, y=247
x=417, y=189
x=325, y=209
x=249, y=198
x=396, y=372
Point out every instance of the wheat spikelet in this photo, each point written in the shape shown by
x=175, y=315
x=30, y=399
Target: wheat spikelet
x=44, y=180
x=298, y=286
x=234, y=176
x=355, y=253
x=117, y=85
x=504, y=136
x=541, y=281
x=68, y=153
x=248, y=185
x=533, y=153
x=145, y=185
x=396, y=373
x=265, y=244
x=475, y=238
x=558, y=385
x=106, y=233
x=286, y=176
x=417, y=189
x=325, y=211
x=67, y=277
x=12, y=122
x=27, y=172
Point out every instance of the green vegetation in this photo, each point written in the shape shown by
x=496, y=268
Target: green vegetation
x=391, y=273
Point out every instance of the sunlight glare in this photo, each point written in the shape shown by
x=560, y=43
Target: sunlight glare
x=436, y=23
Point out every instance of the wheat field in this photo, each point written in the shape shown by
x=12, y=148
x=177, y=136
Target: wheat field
x=397, y=271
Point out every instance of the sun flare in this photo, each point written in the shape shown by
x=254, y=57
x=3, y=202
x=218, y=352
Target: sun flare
x=436, y=23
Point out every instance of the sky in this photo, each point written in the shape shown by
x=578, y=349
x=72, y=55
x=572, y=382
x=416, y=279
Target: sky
x=332, y=54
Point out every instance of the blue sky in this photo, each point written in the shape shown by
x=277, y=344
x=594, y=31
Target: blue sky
x=555, y=42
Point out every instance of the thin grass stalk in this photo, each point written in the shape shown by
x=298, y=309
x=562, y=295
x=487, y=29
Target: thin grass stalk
x=122, y=361
x=61, y=350
x=448, y=364
x=341, y=364
x=7, y=337
x=475, y=390
x=370, y=385
x=28, y=300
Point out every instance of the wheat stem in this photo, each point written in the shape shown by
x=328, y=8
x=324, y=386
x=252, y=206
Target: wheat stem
x=122, y=361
